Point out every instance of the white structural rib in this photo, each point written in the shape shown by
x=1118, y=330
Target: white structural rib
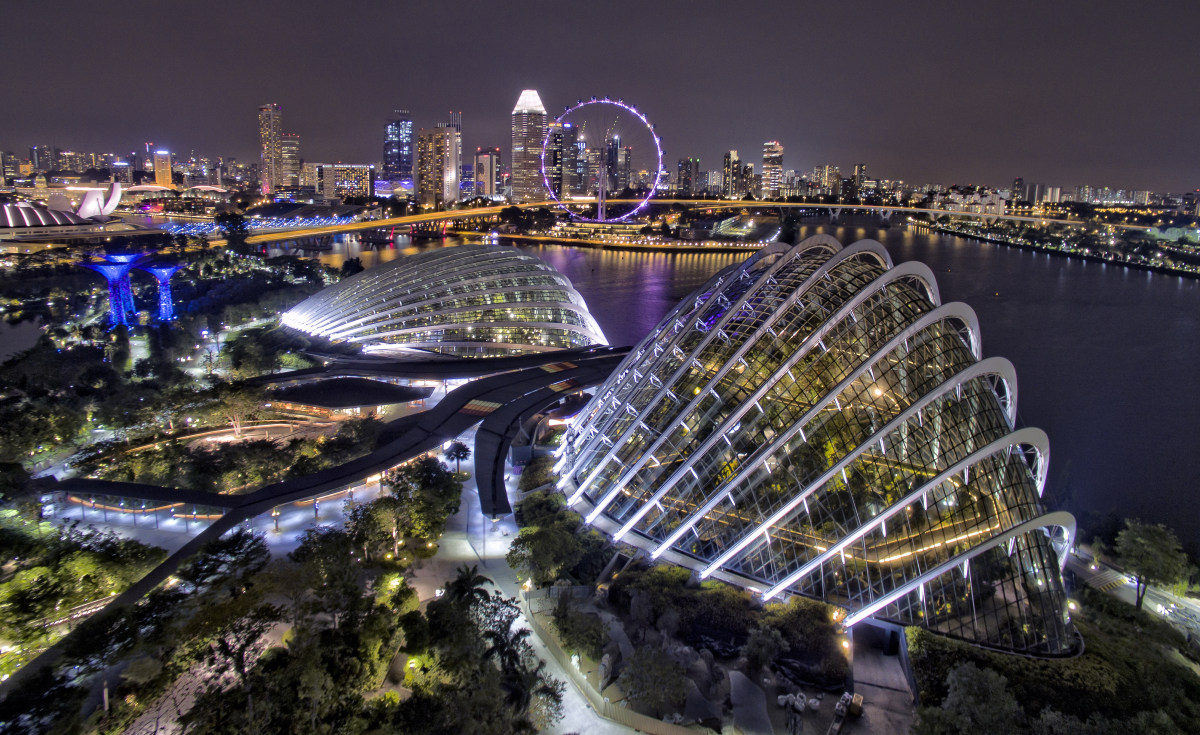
x=789, y=256
x=904, y=270
x=1057, y=519
x=434, y=291
x=1022, y=437
x=955, y=310
x=869, y=247
x=983, y=367
x=616, y=386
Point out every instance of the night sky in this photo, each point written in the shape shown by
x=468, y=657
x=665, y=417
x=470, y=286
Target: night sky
x=1065, y=93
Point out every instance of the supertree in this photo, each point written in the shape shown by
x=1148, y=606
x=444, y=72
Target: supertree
x=117, y=275
x=162, y=272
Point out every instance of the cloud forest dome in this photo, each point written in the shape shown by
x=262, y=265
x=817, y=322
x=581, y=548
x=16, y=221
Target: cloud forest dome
x=470, y=300
x=814, y=421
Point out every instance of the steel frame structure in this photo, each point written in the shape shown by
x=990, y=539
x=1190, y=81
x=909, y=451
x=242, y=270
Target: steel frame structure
x=467, y=300
x=815, y=421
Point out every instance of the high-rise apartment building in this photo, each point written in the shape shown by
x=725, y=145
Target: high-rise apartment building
x=687, y=179
x=289, y=161
x=437, y=167
x=528, y=132
x=344, y=180
x=487, y=172
x=162, y=169
x=772, y=171
x=562, y=152
x=731, y=177
x=398, y=147
x=270, y=140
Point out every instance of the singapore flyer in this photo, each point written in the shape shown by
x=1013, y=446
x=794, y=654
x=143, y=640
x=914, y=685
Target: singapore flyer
x=598, y=151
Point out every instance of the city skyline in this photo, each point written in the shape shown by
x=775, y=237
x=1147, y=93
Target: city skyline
x=931, y=94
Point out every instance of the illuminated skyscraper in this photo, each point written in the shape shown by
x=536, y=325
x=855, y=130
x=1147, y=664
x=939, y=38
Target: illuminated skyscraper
x=731, y=177
x=772, y=171
x=528, y=131
x=561, y=154
x=398, y=147
x=162, y=168
x=687, y=183
x=270, y=138
x=289, y=160
x=42, y=158
x=437, y=167
x=487, y=172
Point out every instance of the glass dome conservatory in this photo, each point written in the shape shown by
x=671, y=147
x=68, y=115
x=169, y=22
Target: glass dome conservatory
x=815, y=421
x=468, y=300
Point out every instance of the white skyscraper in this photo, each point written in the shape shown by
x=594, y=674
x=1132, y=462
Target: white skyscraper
x=528, y=131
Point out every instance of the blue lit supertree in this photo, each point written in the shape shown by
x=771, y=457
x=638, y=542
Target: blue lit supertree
x=117, y=275
x=162, y=272
x=130, y=259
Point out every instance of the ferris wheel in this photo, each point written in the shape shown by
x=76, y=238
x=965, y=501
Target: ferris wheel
x=597, y=150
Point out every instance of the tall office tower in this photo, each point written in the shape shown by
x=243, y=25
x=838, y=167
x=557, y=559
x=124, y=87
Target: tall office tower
x=528, y=131
x=747, y=183
x=860, y=175
x=731, y=176
x=8, y=166
x=270, y=139
x=592, y=159
x=162, y=169
x=1018, y=190
x=619, y=162
x=289, y=161
x=487, y=172
x=398, y=147
x=581, y=168
x=772, y=173
x=456, y=123
x=561, y=162
x=437, y=167
x=42, y=158
x=687, y=182
x=828, y=179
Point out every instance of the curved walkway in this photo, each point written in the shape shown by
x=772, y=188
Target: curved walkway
x=403, y=440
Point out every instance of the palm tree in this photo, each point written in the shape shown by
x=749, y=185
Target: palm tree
x=469, y=586
x=458, y=451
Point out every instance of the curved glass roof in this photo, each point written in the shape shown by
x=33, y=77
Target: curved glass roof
x=814, y=421
x=468, y=300
x=28, y=215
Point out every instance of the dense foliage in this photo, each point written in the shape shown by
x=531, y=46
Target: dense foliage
x=1129, y=673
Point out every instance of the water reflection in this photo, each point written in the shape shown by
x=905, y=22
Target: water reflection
x=1106, y=355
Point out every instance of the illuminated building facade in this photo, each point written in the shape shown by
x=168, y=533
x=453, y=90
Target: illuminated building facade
x=772, y=171
x=528, y=132
x=270, y=139
x=289, y=161
x=437, y=167
x=562, y=151
x=687, y=182
x=814, y=421
x=343, y=180
x=398, y=147
x=468, y=300
x=162, y=169
x=487, y=172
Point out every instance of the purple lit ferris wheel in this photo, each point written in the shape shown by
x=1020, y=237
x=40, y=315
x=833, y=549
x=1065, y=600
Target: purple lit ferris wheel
x=599, y=150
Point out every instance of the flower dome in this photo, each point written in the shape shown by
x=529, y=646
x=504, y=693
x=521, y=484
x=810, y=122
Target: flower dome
x=467, y=300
